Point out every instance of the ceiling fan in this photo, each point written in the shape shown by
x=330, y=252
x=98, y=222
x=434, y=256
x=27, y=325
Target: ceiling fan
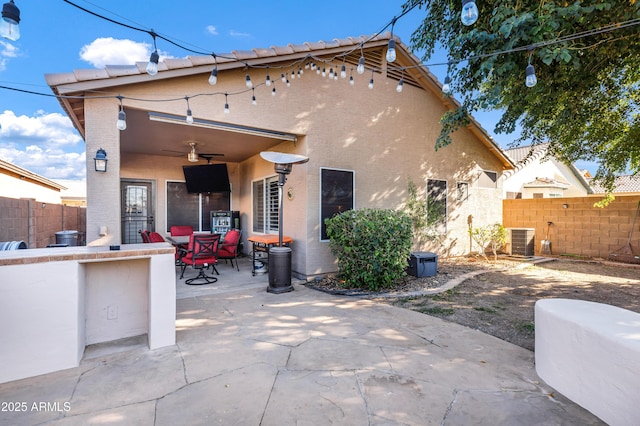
x=194, y=156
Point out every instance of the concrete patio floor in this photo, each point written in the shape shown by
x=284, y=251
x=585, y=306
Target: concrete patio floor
x=248, y=357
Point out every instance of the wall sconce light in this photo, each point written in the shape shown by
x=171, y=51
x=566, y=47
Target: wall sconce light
x=565, y=206
x=101, y=160
x=103, y=231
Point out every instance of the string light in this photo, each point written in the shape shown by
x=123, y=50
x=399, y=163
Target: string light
x=446, y=87
x=10, y=22
x=371, y=81
x=189, y=118
x=283, y=78
x=351, y=80
x=121, y=124
x=213, y=78
x=530, y=73
x=226, y=103
x=248, y=81
x=268, y=79
x=273, y=91
x=253, y=97
x=152, y=66
x=469, y=13
x=360, y=68
x=343, y=71
x=400, y=83
x=391, y=47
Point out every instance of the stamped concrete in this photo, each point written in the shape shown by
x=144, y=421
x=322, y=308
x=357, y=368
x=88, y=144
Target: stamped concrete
x=248, y=357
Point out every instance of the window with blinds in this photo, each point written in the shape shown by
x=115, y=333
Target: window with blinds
x=266, y=205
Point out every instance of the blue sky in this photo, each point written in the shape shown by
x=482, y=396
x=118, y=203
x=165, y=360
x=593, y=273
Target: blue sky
x=57, y=38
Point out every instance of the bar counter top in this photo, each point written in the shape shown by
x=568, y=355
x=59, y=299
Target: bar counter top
x=82, y=253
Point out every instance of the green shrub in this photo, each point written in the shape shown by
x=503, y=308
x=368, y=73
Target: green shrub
x=372, y=246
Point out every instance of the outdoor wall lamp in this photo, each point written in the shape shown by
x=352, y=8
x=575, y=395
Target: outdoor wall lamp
x=565, y=206
x=101, y=160
x=9, y=25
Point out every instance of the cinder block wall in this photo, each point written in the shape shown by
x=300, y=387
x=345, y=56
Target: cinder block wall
x=36, y=223
x=579, y=228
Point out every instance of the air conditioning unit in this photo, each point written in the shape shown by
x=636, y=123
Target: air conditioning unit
x=521, y=241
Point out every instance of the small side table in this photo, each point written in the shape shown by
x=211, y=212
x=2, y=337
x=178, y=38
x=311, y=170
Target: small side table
x=261, y=244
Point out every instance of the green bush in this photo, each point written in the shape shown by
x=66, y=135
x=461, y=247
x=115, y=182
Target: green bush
x=372, y=246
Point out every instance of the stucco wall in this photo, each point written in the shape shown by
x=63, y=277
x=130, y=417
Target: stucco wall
x=551, y=169
x=579, y=229
x=387, y=138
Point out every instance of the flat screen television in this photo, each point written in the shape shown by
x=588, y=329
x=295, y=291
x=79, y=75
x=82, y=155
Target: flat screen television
x=207, y=178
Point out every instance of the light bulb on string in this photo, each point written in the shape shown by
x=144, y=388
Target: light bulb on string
x=324, y=71
x=273, y=91
x=530, y=73
x=469, y=14
x=283, y=78
x=531, y=79
x=254, y=101
x=391, y=51
x=248, y=81
x=351, y=80
x=360, y=68
x=371, y=81
x=121, y=124
x=446, y=87
x=226, y=103
x=400, y=85
x=268, y=79
x=343, y=71
x=152, y=66
x=293, y=75
x=300, y=72
x=288, y=83
x=189, y=118
x=331, y=73
x=10, y=22
x=213, y=78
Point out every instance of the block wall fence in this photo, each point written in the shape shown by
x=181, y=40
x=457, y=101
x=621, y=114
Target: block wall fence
x=36, y=223
x=579, y=228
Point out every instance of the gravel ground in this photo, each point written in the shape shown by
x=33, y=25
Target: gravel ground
x=501, y=301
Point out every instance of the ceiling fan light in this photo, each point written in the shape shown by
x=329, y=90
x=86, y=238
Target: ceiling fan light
x=192, y=156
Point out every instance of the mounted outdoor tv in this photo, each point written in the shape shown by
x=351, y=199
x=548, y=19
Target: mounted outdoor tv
x=206, y=178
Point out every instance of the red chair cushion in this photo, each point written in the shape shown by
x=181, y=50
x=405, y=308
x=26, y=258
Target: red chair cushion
x=202, y=250
x=230, y=246
x=179, y=230
x=154, y=237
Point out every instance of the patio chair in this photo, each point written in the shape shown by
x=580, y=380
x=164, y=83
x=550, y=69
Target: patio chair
x=201, y=253
x=155, y=237
x=229, y=248
x=145, y=236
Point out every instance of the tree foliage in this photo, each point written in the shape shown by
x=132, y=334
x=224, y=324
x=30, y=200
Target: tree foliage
x=585, y=104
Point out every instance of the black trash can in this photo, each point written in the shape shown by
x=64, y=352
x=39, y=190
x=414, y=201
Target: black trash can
x=69, y=238
x=279, y=270
x=423, y=264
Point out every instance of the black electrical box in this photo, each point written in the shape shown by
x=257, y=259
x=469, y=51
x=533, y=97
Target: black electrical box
x=423, y=264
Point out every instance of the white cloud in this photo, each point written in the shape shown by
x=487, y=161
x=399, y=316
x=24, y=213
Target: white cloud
x=46, y=144
x=238, y=34
x=110, y=51
x=212, y=30
x=8, y=50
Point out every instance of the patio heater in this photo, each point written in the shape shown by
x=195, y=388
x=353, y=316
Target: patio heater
x=280, y=256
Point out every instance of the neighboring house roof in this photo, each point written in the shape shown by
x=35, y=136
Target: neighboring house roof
x=524, y=156
x=546, y=183
x=17, y=172
x=348, y=50
x=623, y=184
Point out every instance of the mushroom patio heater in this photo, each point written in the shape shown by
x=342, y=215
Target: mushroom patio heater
x=280, y=256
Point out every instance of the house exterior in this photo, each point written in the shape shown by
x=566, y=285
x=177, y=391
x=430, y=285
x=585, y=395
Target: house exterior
x=364, y=145
x=539, y=176
x=16, y=182
x=623, y=185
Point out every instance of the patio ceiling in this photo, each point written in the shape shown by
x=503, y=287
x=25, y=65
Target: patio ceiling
x=152, y=133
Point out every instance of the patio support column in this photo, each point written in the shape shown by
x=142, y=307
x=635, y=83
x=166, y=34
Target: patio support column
x=103, y=189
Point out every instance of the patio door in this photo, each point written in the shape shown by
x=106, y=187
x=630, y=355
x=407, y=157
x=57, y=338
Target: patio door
x=137, y=213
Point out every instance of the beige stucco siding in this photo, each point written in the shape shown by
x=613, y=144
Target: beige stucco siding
x=385, y=137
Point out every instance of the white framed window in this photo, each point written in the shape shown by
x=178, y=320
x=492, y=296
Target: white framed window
x=488, y=179
x=266, y=205
x=337, y=195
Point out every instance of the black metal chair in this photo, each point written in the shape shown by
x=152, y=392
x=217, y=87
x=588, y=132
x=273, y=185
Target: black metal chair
x=201, y=253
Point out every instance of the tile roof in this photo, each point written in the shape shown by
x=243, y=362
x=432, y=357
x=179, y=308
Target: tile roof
x=24, y=174
x=623, y=184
